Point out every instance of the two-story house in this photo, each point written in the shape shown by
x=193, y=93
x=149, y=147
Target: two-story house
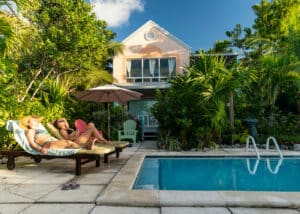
x=151, y=55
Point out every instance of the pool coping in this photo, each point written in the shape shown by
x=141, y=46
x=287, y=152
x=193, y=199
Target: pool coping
x=120, y=193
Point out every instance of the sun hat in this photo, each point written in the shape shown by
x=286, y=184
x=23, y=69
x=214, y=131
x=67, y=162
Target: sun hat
x=24, y=121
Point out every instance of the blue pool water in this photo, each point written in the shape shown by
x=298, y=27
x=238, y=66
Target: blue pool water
x=221, y=173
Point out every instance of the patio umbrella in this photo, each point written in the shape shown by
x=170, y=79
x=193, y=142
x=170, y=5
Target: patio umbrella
x=106, y=94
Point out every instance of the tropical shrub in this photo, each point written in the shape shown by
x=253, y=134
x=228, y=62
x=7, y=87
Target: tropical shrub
x=168, y=142
x=285, y=127
x=194, y=108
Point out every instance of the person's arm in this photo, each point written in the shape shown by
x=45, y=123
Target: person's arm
x=74, y=135
x=66, y=136
x=30, y=137
x=67, y=124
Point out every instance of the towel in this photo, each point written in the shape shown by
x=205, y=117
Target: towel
x=20, y=137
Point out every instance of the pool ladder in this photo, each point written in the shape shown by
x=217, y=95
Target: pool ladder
x=252, y=140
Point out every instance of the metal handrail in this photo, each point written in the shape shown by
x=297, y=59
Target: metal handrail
x=250, y=138
x=276, y=145
x=275, y=171
x=253, y=171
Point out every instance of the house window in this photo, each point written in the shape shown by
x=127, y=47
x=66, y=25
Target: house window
x=135, y=69
x=150, y=69
x=167, y=67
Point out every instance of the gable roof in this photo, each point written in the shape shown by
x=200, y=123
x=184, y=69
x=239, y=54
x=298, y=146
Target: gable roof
x=162, y=30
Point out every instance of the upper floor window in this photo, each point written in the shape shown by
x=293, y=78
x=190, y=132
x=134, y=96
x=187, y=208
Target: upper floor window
x=150, y=70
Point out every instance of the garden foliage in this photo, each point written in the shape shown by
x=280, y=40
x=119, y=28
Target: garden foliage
x=48, y=50
x=264, y=82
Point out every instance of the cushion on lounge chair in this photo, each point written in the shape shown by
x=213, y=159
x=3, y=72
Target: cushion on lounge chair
x=119, y=144
x=54, y=131
x=98, y=149
x=20, y=137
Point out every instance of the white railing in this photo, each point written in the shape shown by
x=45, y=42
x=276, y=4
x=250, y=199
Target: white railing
x=252, y=140
x=253, y=171
x=146, y=79
x=275, y=171
x=276, y=145
x=148, y=120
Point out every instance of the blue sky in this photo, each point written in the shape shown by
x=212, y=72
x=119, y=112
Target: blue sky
x=199, y=23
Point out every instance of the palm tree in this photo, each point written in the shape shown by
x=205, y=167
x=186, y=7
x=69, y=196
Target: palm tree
x=276, y=74
x=15, y=32
x=212, y=84
x=215, y=83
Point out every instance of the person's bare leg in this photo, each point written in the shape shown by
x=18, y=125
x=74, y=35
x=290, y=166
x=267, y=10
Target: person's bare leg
x=73, y=145
x=91, y=144
x=96, y=133
x=83, y=139
x=62, y=144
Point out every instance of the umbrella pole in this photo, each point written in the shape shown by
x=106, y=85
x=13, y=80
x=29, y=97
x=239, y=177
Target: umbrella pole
x=108, y=121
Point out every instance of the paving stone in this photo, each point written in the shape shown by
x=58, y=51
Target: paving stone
x=262, y=211
x=125, y=210
x=260, y=199
x=11, y=179
x=95, y=178
x=32, y=191
x=84, y=194
x=59, y=209
x=12, y=208
x=50, y=178
x=8, y=195
x=149, y=145
x=194, y=210
x=119, y=161
x=195, y=198
x=106, y=168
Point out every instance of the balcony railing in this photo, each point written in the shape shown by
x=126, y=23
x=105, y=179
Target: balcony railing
x=146, y=79
x=148, y=121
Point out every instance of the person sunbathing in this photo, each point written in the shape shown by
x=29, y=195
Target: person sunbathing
x=69, y=134
x=41, y=140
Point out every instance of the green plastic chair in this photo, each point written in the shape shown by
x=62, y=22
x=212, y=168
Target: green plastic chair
x=129, y=131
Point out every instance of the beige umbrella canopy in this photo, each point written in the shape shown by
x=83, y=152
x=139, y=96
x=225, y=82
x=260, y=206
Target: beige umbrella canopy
x=106, y=94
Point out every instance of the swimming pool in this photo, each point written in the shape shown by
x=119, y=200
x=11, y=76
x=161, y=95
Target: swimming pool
x=219, y=174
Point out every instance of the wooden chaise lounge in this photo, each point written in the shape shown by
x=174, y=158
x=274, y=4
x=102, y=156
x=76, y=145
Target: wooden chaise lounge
x=81, y=156
x=118, y=146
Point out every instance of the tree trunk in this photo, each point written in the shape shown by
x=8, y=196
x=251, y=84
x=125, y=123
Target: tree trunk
x=231, y=111
x=32, y=81
x=41, y=83
x=30, y=85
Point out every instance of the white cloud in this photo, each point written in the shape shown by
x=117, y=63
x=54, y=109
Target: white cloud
x=116, y=12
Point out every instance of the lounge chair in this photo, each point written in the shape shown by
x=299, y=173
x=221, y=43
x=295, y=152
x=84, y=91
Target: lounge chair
x=81, y=126
x=81, y=156
x=129, y=131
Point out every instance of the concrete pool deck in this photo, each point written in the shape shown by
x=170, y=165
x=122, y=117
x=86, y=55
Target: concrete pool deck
x=36, y=188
